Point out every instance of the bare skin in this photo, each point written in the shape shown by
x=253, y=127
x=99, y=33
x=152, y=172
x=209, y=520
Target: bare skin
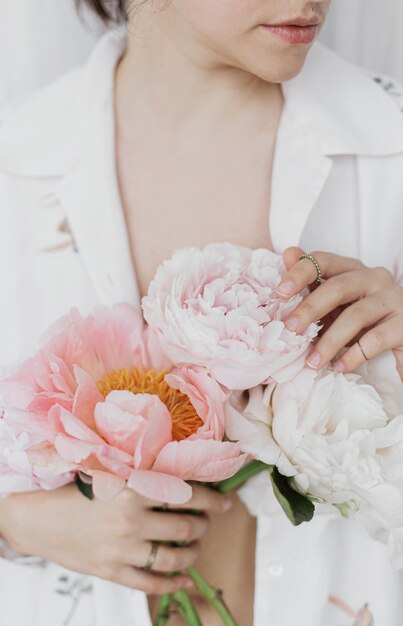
x=227, y=561
x=213, y=173
x=115, y=541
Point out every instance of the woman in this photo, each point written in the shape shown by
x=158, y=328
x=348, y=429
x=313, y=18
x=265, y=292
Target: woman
x=200, y=122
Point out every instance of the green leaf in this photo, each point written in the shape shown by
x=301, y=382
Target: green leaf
x=242, y=476
x=85, y=489
x=297, y=507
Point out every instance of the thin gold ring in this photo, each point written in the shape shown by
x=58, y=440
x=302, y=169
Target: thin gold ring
x=311, y=258
x=152, y=557
x=362, y=350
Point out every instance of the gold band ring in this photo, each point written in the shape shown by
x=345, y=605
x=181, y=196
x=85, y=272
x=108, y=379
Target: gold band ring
x=316, y=264
x=362, y=350
x=152, y=557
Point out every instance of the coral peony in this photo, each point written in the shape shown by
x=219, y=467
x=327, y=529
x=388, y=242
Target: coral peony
x=101, y=396
x=217, y=308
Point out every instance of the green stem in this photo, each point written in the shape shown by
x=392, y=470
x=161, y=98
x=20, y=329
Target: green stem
x=163, y=614
x=213, y=596
x=245, y=473
x=187, y=608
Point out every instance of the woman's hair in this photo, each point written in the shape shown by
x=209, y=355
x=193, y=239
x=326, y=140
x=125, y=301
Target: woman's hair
x=107, y=10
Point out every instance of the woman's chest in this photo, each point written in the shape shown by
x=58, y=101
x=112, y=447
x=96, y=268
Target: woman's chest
x=221, y=193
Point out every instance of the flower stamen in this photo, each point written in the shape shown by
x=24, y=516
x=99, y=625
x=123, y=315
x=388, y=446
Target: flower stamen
x=185, y=420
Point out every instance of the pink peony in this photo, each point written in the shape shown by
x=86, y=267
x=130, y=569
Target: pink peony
x=101, y=397
x=217, y=308
x=18, y=468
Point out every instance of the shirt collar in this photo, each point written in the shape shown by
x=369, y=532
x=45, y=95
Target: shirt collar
x=342, y=108
x=53, y=135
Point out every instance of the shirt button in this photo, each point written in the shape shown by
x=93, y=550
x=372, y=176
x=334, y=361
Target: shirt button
x=275, y=569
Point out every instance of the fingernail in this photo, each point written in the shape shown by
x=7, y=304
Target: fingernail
x=285, y=289
x=314, y=360
x=339, y=367
x=226, y=505
x=292, y=324
x=189, y=584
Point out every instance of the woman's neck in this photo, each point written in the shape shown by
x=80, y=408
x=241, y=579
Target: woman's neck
x=169, y=73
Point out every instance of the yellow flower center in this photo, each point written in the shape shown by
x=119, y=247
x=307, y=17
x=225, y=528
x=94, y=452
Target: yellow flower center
x=185, y=421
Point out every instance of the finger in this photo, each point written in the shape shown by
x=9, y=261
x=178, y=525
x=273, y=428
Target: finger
x=291, y=256
x=304, y=273
x=174, y=527
x=350, y=323
x=207, y=500
x=169, y=559
x=336, y=292
x=385, y=336
x=151, y=584
x=133, y=501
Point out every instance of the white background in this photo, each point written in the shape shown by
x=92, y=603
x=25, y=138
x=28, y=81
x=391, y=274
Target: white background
x=40, y=39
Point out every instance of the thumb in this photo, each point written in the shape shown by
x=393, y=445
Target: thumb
x=291, y=256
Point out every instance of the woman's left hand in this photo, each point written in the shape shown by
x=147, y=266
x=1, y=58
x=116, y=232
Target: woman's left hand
x=355, y=303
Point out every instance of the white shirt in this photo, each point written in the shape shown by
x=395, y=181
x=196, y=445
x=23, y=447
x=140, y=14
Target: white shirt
x=337, y=185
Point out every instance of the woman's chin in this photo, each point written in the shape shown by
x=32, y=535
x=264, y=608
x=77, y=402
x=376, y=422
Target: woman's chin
x=277, y=73
x=276, y=63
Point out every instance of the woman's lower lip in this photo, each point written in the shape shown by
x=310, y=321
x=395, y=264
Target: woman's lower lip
x=294, y=34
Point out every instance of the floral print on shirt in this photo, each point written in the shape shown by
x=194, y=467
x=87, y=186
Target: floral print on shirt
x=362, y=617
x=392, y=87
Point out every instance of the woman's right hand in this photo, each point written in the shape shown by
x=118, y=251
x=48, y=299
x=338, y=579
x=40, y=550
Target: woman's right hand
x=111, y=540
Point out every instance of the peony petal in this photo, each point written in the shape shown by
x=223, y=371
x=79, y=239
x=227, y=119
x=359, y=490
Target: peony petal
x=249, y=425
x=206, y=396
x=115, y=460
x=382, y=374
x=72, y=449
x=139, y=424
x=160, y=487
x=86, y=398
x=47, y=461
x=106, y=486
x=201, y=460
x=77, y=429
x=19, y=389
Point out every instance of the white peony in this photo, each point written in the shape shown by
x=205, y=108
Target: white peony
x=336, y=437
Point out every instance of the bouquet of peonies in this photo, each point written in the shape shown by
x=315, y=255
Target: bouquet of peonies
x=214, y=390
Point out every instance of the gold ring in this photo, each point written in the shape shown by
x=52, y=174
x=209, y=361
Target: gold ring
x=362, y=350
x=316, y=264
x=152, y=557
